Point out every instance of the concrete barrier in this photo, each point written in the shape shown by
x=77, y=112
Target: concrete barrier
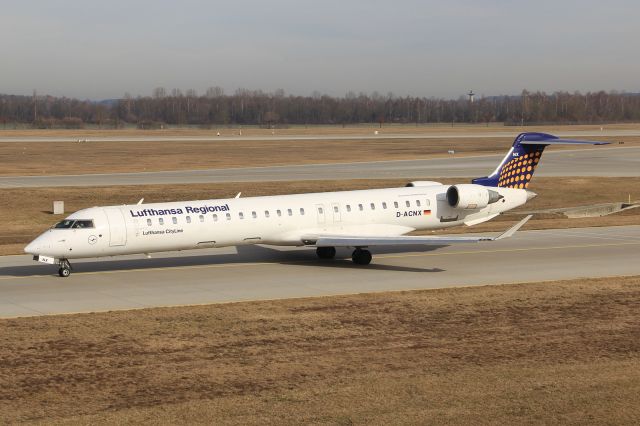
x=595, y=210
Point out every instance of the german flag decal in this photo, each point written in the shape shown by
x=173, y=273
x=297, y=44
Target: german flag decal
x=426, y=212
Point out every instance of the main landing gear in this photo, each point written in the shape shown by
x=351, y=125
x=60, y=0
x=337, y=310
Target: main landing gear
x=360, y=256
x=326, y=252
x=65, y=268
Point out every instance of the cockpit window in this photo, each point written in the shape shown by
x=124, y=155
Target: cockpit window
x=75, y=224
x=83, y=224
x=64, y=224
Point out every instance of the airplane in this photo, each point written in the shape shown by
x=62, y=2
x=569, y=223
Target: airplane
x=354, y=219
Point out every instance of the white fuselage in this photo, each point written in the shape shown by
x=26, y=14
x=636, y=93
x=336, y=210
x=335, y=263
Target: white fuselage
x=274, y=220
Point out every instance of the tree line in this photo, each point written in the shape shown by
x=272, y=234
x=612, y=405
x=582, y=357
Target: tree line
x=251, y=107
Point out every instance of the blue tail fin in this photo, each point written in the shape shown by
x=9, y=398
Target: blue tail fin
x=517, y=167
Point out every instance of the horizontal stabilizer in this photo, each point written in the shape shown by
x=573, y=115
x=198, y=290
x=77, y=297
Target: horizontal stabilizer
x=562, y=142
x=538, y=138
x=355, y=241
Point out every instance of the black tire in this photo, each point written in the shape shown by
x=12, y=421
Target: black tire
x=361, y=257
x=64, y=272
x=326, y=252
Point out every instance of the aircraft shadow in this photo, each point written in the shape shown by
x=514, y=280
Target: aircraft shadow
x=348, y=264
x=245, y=254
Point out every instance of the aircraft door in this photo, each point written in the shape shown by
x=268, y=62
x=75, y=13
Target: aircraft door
x=321, y=214
x=117, y=227
x=337, y=215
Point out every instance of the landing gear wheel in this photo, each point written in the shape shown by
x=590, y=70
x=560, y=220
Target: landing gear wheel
x=65, y=268
x=326, y=252
x=361, y=257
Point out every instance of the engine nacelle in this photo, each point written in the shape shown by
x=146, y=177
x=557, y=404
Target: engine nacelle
x=423, y=183
x=471, y=197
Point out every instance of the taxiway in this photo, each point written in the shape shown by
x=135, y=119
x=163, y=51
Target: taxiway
x=228, y=135
x=258, y=273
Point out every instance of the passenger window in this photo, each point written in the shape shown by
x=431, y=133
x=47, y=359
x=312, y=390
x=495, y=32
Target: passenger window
x=228, y=216
x=266, y=213
x=408, y=203
x=320, y=210
x=241, y=215
x=335, y=209
x=395, y=204
x=215, y=217
x=254, y=215
x=148, y=222
x=174, y=220
x=373, y=206
x=384, y=205
x=427, y=202
x=279, y=213
x=301, y=212
x=201, y=218
x=348, y=207
x=289, y=212
x=188, y=219
x=161, y=221
x=418, y=203
x=360, y=207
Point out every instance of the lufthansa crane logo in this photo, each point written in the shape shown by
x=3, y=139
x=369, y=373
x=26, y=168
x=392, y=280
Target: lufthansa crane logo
x=93, y=239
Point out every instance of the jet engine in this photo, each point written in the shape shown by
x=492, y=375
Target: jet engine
x=471, y=197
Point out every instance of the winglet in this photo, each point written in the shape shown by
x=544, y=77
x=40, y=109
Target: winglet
x=509, y=232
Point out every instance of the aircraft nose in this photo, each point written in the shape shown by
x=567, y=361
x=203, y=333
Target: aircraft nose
x=31, y=248
x=531, y=195
x=38, y=245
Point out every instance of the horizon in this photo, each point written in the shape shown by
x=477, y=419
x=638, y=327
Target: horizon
x=372, y=94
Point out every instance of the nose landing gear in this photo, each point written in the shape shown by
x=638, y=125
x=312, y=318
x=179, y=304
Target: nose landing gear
x=65, y=268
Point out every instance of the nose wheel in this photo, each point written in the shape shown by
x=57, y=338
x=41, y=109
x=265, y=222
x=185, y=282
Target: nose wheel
x=65, y=268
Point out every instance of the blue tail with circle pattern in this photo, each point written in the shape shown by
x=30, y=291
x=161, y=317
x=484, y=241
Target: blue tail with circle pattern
x=518, y=166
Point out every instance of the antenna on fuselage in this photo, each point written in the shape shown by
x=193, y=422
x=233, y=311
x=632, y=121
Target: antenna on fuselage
x=238, y=196
x=140, y=202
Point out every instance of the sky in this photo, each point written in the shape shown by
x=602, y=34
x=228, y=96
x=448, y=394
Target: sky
x=100, y=50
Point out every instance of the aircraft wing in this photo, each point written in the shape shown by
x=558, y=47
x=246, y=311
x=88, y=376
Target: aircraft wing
x=356, y=241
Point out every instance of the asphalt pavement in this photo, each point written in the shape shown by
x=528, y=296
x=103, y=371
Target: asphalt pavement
x=258, y=273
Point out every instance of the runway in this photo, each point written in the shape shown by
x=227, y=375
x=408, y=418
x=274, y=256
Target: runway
x=383, y=134
x=600, y=161
x=258, y=273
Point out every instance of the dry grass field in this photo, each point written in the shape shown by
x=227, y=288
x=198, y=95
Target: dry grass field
x=34, y=204
x=45, y=158
x=55, y=158
x=541, y=353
